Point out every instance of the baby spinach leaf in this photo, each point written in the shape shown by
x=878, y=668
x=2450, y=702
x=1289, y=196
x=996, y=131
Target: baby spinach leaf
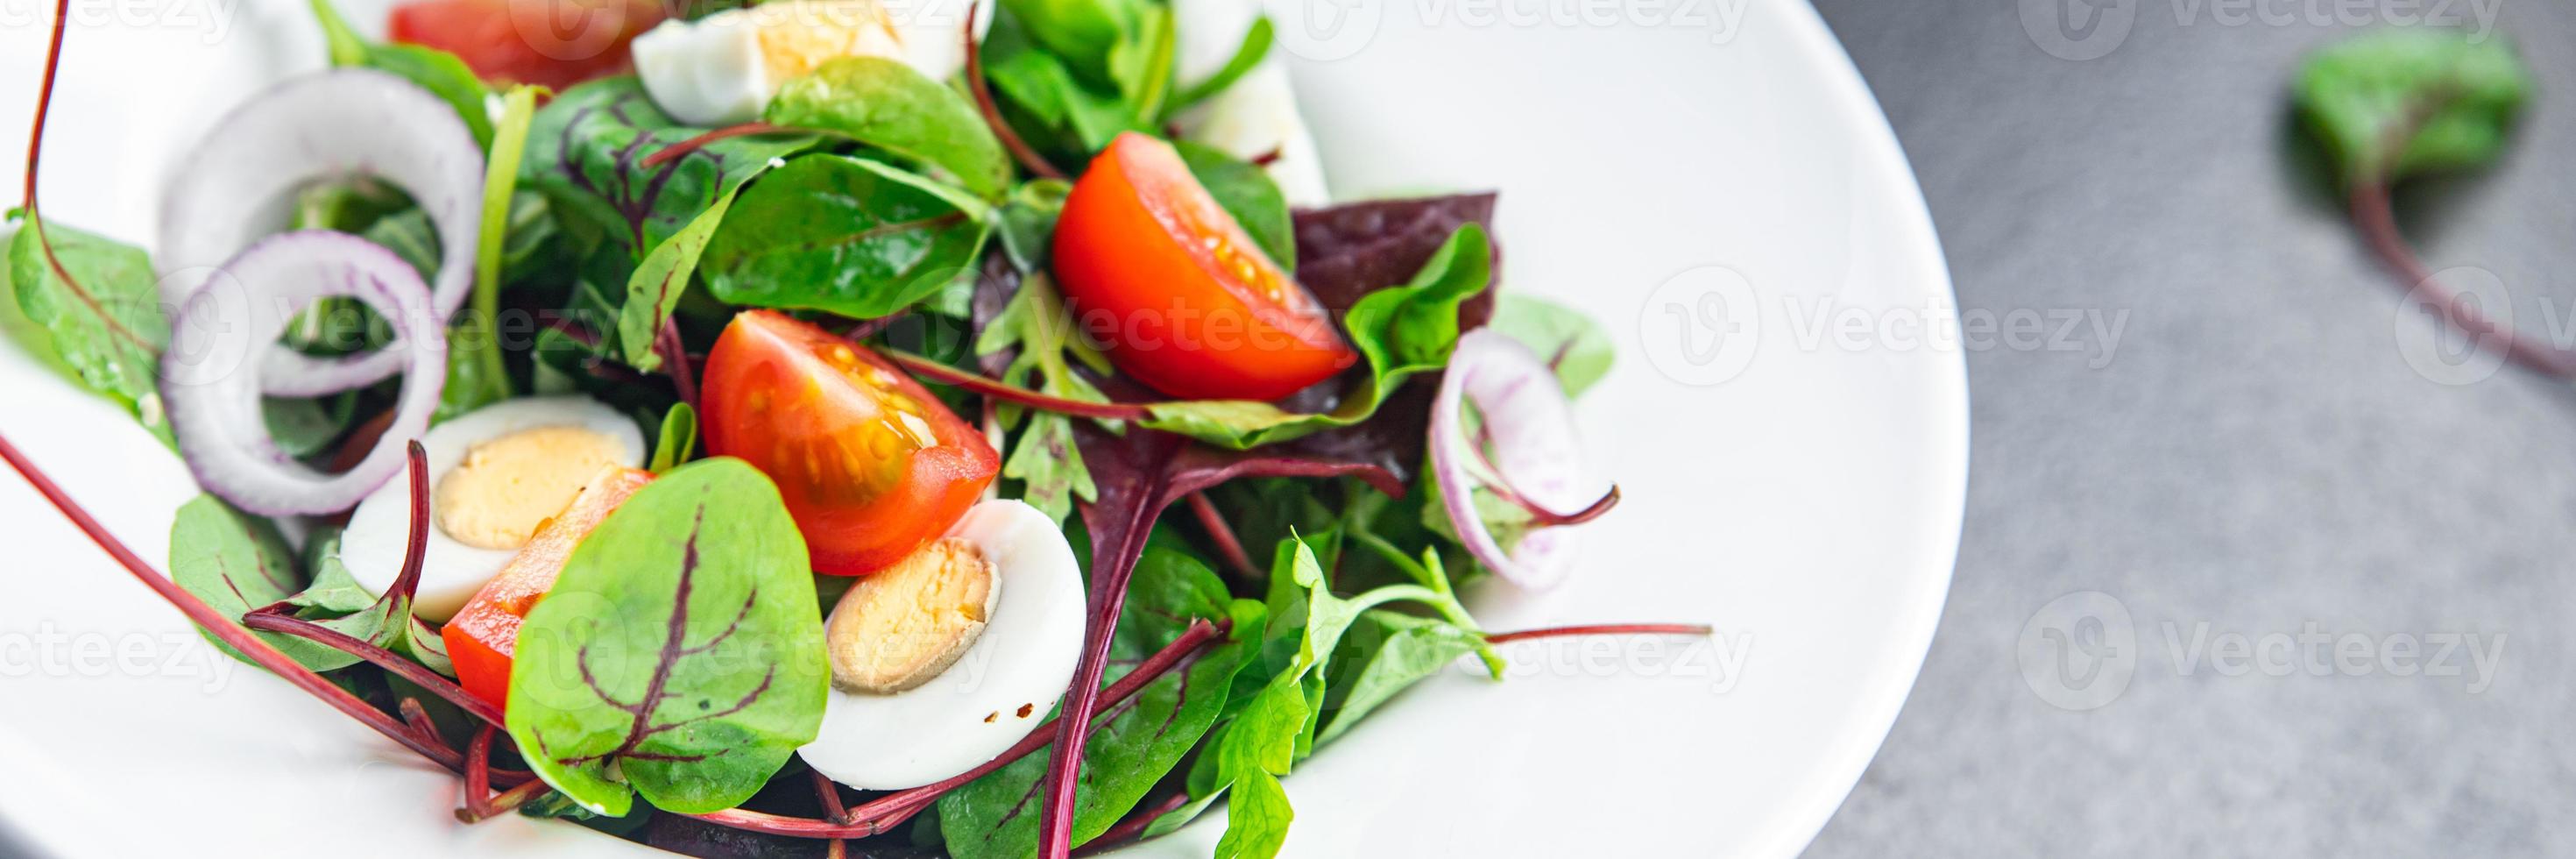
x=1083, y=32
x=1082, y=115
x=1256, y=45
x=680, y=654
x=1400, y=331
x=1245, y=192
x=659, y=282
x=435, y=70
x=885, y=104
x=679, y=439
x=1141, y=63
x=2402, y=101
x=1570, y=342
x=237, y=562
x=1143, y=740
x=586, y=151
x=106, y=321
x=845, y=235
x=1035, y=328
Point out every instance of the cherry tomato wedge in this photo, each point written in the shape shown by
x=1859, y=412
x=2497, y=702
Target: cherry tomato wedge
x=1183, y=298
x=550, y=43
x=484, y=634
x=872, y=466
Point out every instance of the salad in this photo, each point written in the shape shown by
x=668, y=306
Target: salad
x=824, y=426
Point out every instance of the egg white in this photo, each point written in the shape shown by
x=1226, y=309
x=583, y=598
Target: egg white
x=712, y=71
x=1256, y=116
x=379, y=532
x=1003, y=685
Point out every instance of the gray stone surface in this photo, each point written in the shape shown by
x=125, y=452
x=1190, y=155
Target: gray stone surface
x=2257, y=456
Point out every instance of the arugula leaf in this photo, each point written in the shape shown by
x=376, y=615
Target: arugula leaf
x=1401, y=331
x=2398, y=102
x=1572, y=343
x=106, y=322
x=1245, y=192
x=1392, y=651
x=440, y=72
x=679, y=439
x=1256, y=45
x=680, y=653
x=476, y=377
x=1046, y=459
x=586, y=151
x=1134, y=749
x=845, y=235
x=884, y=103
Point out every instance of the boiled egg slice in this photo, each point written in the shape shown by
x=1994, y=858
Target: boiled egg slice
x=496, y=474
x=722, y=69
x=944, y=660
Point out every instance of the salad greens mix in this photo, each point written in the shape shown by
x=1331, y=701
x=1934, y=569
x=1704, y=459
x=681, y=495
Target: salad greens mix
x=787, y=483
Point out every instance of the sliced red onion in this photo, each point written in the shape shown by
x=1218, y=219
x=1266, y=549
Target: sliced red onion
x=1536, y=454
x=211, y=378
x=310, y=128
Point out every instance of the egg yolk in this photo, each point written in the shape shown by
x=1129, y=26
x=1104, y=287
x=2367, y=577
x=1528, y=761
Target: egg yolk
x=903, y=625
x=508, y=486
x=796, y=37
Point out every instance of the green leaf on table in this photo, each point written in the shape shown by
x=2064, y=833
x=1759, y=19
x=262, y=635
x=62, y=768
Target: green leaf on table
x=1045, y=458
x=1400, y=331
x=845, y=235
x=1246, y=192
x=885, y=104
x=2396, y=102
x=680, y=653
x=1144, y=741
x=106, y=322
x=586, y=152
x=1570, y=342
x=679, y=439
x=440, y=72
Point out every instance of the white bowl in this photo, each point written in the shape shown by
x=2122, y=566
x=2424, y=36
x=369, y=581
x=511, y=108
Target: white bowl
x=1807, y=502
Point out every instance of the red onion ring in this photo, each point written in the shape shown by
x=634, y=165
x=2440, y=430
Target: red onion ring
x=313, y=127
x=211, y=375
x=1537, y=455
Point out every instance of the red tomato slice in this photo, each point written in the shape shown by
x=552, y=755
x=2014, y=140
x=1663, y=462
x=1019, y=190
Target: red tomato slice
x=872, y=466
x=483, y=636
x=1181, y=295
x=550, y=43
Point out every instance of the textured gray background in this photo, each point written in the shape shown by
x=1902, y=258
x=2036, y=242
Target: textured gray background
x=2257, y=455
